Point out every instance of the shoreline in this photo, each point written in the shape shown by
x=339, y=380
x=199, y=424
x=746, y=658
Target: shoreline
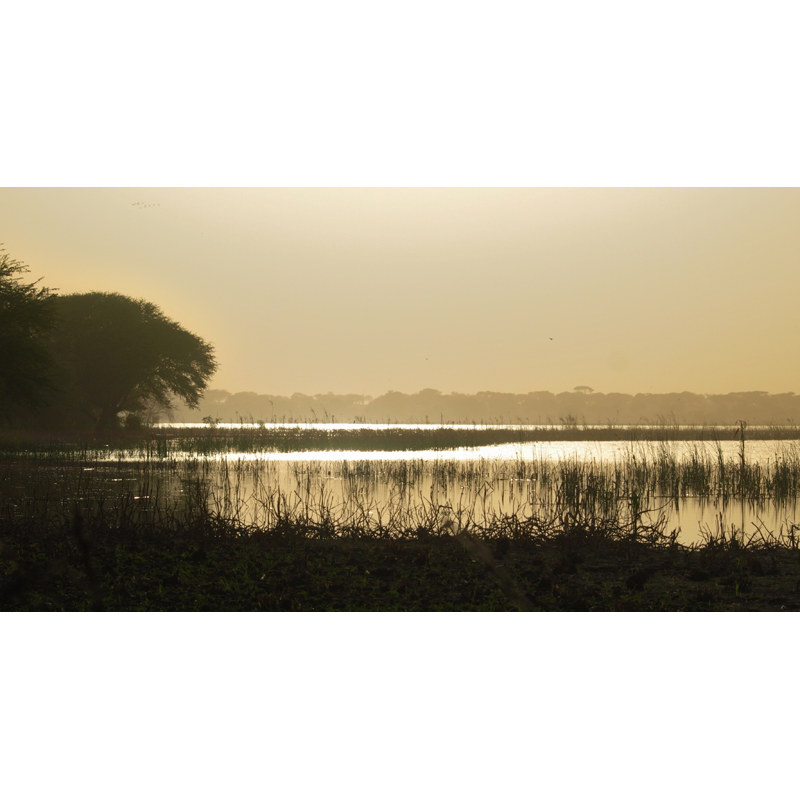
x=211, y=566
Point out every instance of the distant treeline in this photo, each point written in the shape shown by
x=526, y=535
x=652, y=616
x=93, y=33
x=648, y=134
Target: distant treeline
x=570, y=408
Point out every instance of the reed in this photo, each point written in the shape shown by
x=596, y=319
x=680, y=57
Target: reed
x=154, y=481
x=212, y=440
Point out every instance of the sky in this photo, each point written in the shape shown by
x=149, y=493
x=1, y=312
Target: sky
x=462, y=290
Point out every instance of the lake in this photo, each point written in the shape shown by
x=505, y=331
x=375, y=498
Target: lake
x=693, y=486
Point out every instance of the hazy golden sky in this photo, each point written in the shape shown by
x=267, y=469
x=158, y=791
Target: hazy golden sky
x=370, y=290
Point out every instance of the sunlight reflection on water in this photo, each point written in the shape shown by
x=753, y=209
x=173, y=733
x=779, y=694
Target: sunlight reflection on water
x=605, y=452
x=483, y=479
x=306, y=474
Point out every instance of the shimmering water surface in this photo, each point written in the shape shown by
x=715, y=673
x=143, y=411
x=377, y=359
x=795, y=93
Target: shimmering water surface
x=512, y=479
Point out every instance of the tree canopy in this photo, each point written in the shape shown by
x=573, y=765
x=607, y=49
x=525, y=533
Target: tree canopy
x=26, y=317
x=122, y=353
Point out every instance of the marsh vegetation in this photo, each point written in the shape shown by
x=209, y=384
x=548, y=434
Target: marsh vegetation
x=224, y=491
x=392, y=479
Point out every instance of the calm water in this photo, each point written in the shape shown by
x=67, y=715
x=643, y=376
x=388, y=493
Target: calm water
x=425, y=426
x=475, y=482
x=485, y=479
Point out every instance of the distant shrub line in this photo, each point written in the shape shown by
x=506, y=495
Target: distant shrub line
x=566, y=408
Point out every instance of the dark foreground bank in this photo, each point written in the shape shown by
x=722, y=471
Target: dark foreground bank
x=209, y=566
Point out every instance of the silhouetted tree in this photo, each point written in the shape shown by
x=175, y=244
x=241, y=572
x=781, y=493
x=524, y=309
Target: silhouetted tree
x=121, y=353
x=26, y=316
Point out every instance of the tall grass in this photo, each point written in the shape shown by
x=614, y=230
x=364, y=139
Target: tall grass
x=151, y=481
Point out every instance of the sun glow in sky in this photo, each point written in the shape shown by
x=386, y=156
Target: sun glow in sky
x=465, y=290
